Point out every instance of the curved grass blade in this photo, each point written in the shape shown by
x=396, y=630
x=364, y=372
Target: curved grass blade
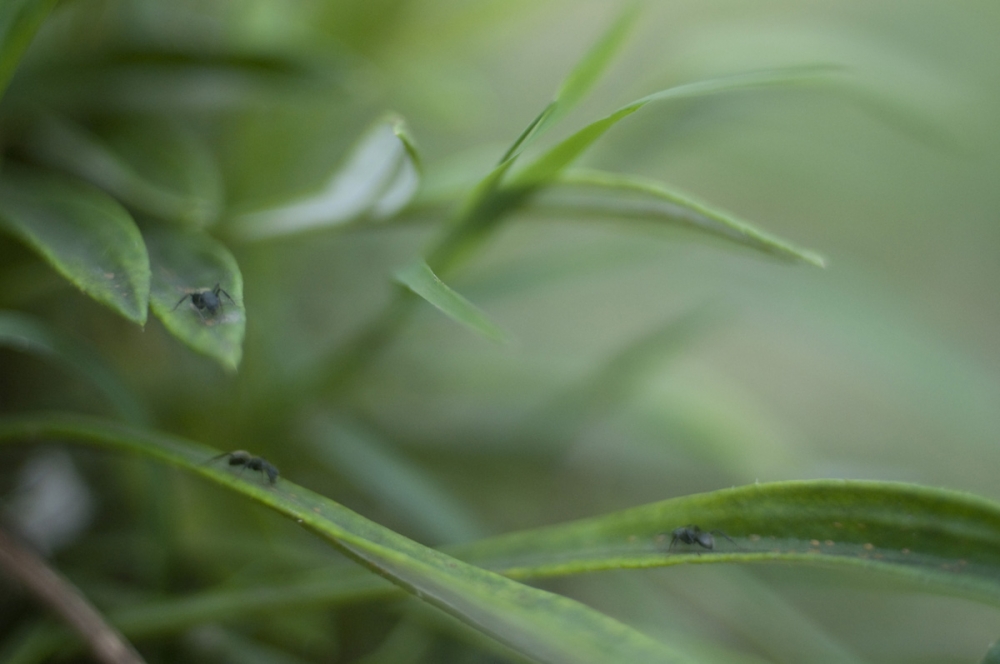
x=550, y=164
x=420, y=279
x=377, y=180
x=81, y=232
x=19, y=21
x=186, y=263
x=25, y=333
x=603, y=194
x=579, y=81
x=940, y=539
x=539, y=624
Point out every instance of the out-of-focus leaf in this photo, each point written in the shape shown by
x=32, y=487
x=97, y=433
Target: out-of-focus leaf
x=610, y=195
x=83, y=233
x=539, y=624
x=420, y=279
x=157, y=168
x=555, y=160
x=25, y=333
x=377, y=180
x=358, y=454
x=579, y=81
x=19, y=21
x=192, y=262
x=993, y=654
x=186, y=78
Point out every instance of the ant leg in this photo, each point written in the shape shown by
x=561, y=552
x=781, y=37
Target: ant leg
x=719, y=532
x=181, y=300
x=228, y=296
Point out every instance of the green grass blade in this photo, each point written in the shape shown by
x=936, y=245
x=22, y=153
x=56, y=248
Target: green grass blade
x=377, y=179
x=579, y=81
x=553, y=162
x=420, y=279
x=539, y=624
x=19, y=21
x=610, y=195
x=941, y=539
x=25, y=333
x=191, y=262
x=81, y=232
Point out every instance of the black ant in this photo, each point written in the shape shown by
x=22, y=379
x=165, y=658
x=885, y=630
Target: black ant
x=206, y=300
x=247, y=460
x=695, y=535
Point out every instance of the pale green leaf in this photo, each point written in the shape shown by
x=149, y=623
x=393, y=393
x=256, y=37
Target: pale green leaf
x=83, y=233
x=377, y=180
x=420, y=279
x=192, y=262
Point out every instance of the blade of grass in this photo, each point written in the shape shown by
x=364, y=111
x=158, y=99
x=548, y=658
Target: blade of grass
x=643, y=199
x=539, y=624
x=84, y=234
x=420, y=279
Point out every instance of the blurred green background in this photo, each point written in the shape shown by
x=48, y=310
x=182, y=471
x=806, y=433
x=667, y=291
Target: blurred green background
x=882, y=366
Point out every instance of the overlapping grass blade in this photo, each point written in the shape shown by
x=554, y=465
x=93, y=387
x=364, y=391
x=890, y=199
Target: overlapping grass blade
x=539, y=624
x=81, y=232
x=190, y=262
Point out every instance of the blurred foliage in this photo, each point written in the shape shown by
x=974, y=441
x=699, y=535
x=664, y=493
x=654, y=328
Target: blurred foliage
x=607, y=339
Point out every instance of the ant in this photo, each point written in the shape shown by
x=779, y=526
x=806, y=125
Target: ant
x=247, y=460
x=695, y=535
x=206, y=300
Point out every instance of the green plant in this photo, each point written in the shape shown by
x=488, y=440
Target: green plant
x=134, y=170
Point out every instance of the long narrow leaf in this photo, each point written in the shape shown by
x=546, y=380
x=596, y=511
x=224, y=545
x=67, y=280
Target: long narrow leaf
x=19, y=21
x=539, y=624
x=81, y=232
x=611, y=195
x=550, y=164
x=420, y=279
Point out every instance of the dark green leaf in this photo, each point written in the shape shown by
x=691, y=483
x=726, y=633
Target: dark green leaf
x=539, y=624
x=83, y=233
x=191, y=262
x=27, y=334
x=419, y=278
x=19, y=21
x=156, y=168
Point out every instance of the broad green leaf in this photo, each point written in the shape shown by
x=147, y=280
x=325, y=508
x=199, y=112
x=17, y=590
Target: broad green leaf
x=377, y=180
x=19, y=21
x=83, y=233
x=610, y=195
x=25, y=333
x=536, y=623
x=579, y=81
x=186, y=263
x=993, y=654
x=550, y=164
x=155, y=168
x=420, y=279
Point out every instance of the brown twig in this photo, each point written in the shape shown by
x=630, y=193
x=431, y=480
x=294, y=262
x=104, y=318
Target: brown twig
x=106, y=643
